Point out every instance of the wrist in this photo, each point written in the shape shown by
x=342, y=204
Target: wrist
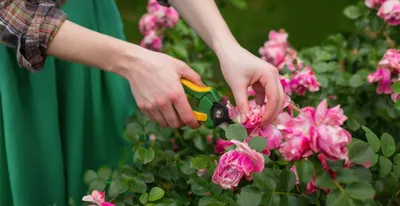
x=224, y=46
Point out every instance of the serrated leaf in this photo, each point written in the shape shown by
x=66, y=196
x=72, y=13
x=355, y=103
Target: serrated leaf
x=155, y=194
x=372, y=139
x=336, y=198
x=117, y=187
x=258, y=143
x=89, y=176
x=385, y=166
x=263, y=181
x=360, y=190
x=352, y=12
x=138, y=186
x=249, y=196
x=199, y=186
x=388, y=145
x=237, y=132
x=325, y=181
x=305, y=170
x=144, y=198
x=360, y=152
x=104, y=173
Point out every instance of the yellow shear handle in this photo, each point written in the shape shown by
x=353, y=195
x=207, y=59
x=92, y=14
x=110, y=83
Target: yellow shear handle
x=196, y=91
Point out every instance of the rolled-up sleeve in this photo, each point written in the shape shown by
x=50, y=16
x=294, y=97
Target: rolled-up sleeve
x=29, y=26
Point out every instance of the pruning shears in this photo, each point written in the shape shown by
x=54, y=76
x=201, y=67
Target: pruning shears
x=211, y=111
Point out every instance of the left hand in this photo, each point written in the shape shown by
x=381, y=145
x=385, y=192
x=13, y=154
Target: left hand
x=242, y=69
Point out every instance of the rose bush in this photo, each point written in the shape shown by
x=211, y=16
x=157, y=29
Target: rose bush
x=324, y=148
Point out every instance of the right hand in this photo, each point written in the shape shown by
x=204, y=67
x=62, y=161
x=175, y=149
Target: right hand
x=155, y=83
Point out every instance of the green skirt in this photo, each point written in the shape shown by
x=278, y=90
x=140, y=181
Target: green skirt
x=61, y=121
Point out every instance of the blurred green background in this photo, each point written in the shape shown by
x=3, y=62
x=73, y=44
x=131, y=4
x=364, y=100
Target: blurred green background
x=308, y=22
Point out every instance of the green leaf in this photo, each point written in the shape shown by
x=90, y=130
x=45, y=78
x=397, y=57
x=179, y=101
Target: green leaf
x=325, y=181
x=263, y=181
x=144, y=198
x=372, y=139
x=270, y=199
x=396, y=87
x=145, y=155
x=199, y=186
x=374, y=159
x=258, y=143
x=388, y=145
x=323, y=80
x=215, y=189
x=156, y=193
x=352, y=12
x=322, y=67
x=249, y=196
x=322, y=55
x=397, y=105
x=396, y=159
x=181, y=51
x=336, y=198
x=360, y=190
x=347, y=176
x=117, y=187
x=396, y=169
x=385, y=166
x=360, y=152
x=240, y=4
x=147, y=177
x=335, y=166
x=198, y=163
x=200, y=143
x=89, y=176
x=98, y=184
x=138, y=186
x=287, y=180
x=104, y=173
x=356, y=81
x=236, y=131
x=185, y=167
x=305, y=170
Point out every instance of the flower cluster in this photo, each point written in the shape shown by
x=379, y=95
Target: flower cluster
x=389, y=10
x=233, y=165
x=386, y=73
x=278, y=52
x=151, y=24
x=97, y=198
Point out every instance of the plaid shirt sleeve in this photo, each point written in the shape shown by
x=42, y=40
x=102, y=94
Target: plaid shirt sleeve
x=29, y=26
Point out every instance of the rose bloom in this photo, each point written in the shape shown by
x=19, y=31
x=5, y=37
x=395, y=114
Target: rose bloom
x=152, y=41
x=98, y=198
x=374, y=3
x=390, y=12
x=222, y=145
x=391, y=59
x=382, y=76
x=147, y=23
x=332, y=141
x=295, y=148
x=235, y=164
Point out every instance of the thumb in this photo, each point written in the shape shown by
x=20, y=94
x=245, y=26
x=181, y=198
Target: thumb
x=191, y=75
x=242, y=102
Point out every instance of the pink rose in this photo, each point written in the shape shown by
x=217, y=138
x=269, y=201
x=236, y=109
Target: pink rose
x=333, y=116
x=96, y=197
x=394, y=97
x=285, y=81
x=390, y=12
x=152, y=41
x=382, y=76
x=210, y=139
x=311, y=186
x=304, y=79
x=391, y=59
x=274, y=50
x=235, y=164
x=295, y=148
x=167, y=17
x=222, y=145
x=147, y=23
x=373, y=3
x=153, y=6
x=254, y=117
x=332, y=141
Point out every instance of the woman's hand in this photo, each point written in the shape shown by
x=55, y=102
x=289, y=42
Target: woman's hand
x=155, y=82
x=242, y=69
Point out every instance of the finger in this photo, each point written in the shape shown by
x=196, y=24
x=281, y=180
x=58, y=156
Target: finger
x=191, y=75
x=171, y=116
x=242, y=101
x=281, y=96
x=271, y=92
x=158, y=117
x=185, y=111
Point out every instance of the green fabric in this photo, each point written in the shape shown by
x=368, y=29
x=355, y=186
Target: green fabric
x=61, y=121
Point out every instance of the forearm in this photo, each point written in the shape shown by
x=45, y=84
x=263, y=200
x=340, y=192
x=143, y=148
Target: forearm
x=205, y=18
x=80, y=45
